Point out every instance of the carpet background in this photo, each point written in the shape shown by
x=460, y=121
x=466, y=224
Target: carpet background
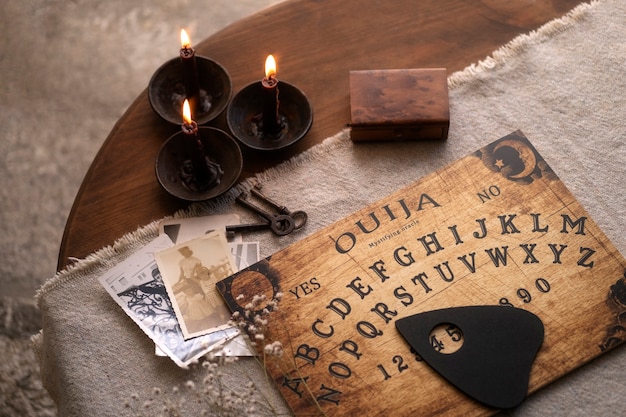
x=69, y=70
x=563, y=87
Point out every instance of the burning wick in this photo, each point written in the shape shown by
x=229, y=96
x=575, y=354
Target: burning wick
x=189, y=127
x=271, y=118
x=199, y=172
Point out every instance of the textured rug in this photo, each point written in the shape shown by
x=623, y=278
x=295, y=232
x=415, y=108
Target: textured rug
x=562, y=85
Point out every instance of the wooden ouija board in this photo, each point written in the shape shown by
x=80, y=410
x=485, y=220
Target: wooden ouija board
x=497, y=227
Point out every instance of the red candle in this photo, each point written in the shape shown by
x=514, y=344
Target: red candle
x=190, y=70
x=271, y=122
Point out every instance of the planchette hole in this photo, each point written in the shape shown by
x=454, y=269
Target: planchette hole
x=446, y=338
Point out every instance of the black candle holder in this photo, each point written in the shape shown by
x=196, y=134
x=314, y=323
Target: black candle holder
x=166, y=90
x=245, y=114
x=173, y=165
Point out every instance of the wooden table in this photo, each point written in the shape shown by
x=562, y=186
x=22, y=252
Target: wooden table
x=316, y=44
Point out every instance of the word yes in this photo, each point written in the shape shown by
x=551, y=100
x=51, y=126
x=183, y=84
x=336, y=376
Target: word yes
x=306, y=288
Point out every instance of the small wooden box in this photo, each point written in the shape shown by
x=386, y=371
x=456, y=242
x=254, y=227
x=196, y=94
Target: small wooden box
x=402, y=104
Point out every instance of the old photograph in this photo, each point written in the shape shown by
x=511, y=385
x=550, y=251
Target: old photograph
x=190, y=271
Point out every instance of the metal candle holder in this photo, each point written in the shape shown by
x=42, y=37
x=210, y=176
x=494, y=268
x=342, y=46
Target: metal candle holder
x=245, y=116
x=174, y=164
x=166, y=90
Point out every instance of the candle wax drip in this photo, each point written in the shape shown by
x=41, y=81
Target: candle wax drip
x=256, y=128
x=187, y=52
x=203, y=104
x=192, y=182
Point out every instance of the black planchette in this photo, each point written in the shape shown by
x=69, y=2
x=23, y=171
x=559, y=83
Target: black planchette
x=499, y=345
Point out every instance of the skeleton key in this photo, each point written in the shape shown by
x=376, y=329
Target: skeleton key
x=300, y=217
x=281, y=224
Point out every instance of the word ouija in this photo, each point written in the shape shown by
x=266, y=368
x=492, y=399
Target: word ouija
x=347, y=240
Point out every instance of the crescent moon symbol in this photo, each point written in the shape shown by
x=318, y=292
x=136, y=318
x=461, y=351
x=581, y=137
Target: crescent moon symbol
x=525, y=153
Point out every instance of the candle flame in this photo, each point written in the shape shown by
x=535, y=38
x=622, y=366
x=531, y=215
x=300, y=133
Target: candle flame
x=270, y=66
x=184, y=39
x=186, y=112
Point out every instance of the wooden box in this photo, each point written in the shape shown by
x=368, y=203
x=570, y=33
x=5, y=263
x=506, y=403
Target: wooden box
x=402, y=104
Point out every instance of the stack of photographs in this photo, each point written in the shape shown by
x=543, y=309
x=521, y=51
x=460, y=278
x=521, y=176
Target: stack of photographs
x=168, y=288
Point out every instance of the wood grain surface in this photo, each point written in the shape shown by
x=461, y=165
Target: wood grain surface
x=316, y=44
x=497, y=227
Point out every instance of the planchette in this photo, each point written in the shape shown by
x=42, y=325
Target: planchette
x=489, y=352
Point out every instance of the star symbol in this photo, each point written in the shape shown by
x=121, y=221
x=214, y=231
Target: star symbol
x=499, y=163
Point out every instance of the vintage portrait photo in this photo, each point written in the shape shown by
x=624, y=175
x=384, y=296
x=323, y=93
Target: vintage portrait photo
x=190, y=271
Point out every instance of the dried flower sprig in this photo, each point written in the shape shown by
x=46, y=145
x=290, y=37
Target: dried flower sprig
x=255, y=320
x=214, y=397
x=210, y=397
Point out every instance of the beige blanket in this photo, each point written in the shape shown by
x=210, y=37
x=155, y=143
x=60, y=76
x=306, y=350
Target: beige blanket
x=564, y=86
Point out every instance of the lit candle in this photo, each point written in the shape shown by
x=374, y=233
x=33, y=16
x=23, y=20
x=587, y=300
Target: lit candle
x=197, y=171
x=190, y=70
x=271, y=122
x=189, y=126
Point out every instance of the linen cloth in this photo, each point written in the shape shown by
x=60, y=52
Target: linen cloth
x=563, y=85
